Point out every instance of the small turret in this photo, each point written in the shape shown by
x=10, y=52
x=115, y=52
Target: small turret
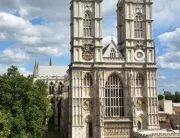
x=50, y=62
x=35, y=74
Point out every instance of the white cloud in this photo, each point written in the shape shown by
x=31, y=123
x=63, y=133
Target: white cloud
x=171, y=39
x=107, y=40
x=109, y=6
x=166, y=12
x=10, y=57
x=3, y=68
x=171, y=58
x=34, y=39
x=44, y=51
x=3, y=36
x=167, y=86
x=24, y=71
x=162, y=77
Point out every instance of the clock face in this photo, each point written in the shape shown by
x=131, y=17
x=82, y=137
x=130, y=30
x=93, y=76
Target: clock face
x=88, y=52
x=139, y=55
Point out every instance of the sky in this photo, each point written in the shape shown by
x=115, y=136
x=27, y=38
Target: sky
x=39, y=29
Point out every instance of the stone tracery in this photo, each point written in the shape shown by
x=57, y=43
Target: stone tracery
x=114, y=97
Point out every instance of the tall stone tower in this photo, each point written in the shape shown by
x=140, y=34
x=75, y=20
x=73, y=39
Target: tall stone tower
x=86, y=31
x=135, y=42
x=86, y=53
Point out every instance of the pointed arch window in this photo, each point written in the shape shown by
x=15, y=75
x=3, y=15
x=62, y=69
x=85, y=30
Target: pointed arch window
x=60, y=86
x=138, y=26
x=51, y=88
x=139, y=80
x=87, y=84
x=114, y=97
x=139, y=84
x=87, y=24
x=113, y=53
x=88, y=80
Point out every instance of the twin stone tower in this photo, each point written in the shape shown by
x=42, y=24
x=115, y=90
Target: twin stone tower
x=113, y=89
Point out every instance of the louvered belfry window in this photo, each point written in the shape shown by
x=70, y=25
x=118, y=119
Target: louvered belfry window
x=138, y=26
x=87, y=23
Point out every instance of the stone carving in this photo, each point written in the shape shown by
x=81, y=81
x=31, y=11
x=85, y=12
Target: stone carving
x=139, y=55
x=87, y=41
x=87, y=6
x=140, y=105
x=138, y=8
x=87, y=52
x=116, y=130
x=86, y=105
x=139, y=45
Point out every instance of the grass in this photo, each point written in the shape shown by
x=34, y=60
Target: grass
x=52, y=134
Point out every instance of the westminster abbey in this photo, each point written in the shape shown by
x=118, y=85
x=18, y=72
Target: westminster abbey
x=108, y=91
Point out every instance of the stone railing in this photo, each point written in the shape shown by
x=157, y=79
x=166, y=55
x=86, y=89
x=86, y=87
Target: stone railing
x=124, y=119
x=156, y=135
x=113, y=59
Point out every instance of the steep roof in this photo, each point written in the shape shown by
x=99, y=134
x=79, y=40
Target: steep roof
x=105, y=48
x=52, y=70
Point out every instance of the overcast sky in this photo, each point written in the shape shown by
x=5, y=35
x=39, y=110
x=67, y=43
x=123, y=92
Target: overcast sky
x=39, y=29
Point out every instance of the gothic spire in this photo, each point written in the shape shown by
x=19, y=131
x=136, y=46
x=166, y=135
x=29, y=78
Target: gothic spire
x=35, y=74
x=50, y=62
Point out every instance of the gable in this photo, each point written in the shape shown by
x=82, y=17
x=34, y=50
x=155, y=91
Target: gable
x=111, y=50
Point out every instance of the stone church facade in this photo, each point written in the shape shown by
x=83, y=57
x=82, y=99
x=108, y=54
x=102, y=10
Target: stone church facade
x=111, y=91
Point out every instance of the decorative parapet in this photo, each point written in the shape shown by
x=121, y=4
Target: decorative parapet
x=121, y=119
x=165, y=134
x=139, y=135
x=113, y=59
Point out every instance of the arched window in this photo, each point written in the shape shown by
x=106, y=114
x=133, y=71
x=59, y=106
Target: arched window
x=138, y=26
x=60, y=86
x=139, y=84
x=87, y=24
x=113, y=53
x=51, y=88
x=139, y=80
x=114, y=97
x=87, y=84
x=88, y=80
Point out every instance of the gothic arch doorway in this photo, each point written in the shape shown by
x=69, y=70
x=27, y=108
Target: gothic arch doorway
x=88, y=127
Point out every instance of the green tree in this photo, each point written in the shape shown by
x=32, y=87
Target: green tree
x=5, y=124
x=160, y=97
x=26, y=101
x=177, y=98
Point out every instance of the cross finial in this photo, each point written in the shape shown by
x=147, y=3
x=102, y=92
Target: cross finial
x=111, y=37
